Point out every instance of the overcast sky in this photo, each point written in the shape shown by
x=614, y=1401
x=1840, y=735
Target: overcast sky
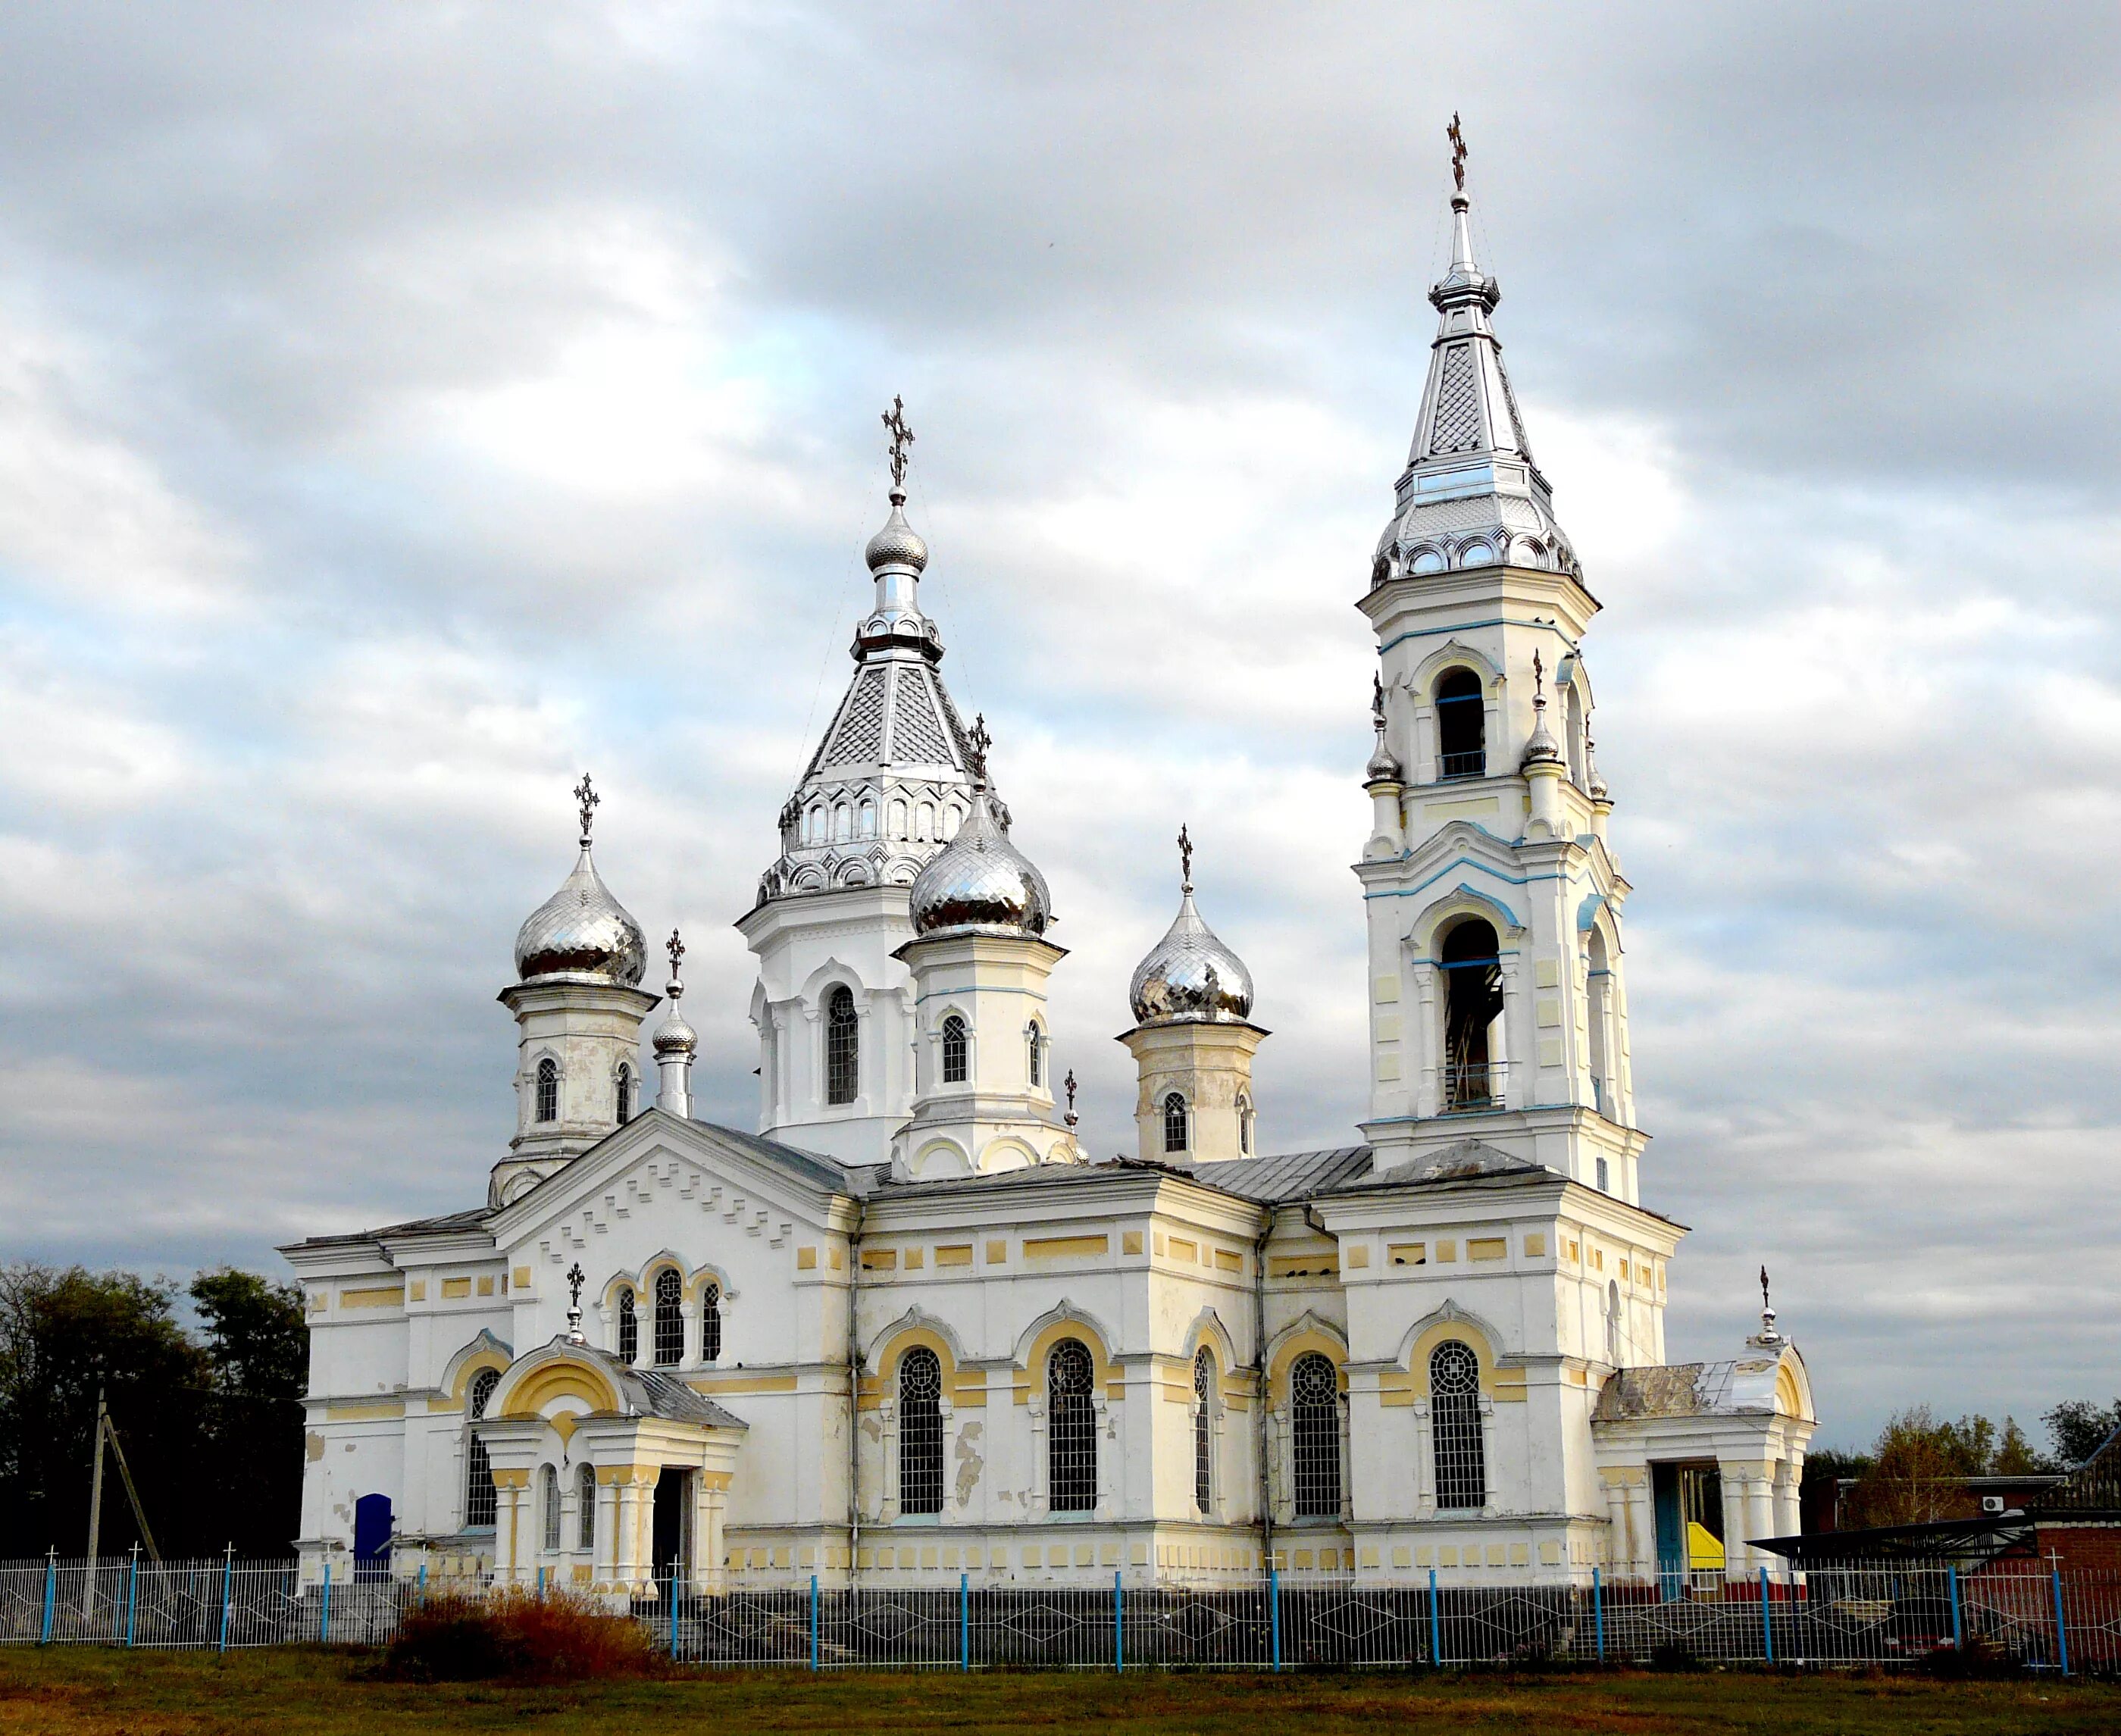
x=404, y=409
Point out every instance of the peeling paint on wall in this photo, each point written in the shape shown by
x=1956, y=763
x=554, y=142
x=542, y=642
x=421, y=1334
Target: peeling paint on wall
x=970, y=1464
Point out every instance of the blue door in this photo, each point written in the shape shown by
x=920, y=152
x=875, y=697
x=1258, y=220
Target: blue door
x=371, y=1537
x=1670, y=1531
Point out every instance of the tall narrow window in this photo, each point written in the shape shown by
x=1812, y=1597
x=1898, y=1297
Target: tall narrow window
x=1071, y=1430
x=670, y=1319
x=1473, y=1001
x=1613, y=1322
x=1204, y=1432
x=1461, y=726
x=919, y=1431
x=1036, y=1042
x=549, y=1505
x=956, y=1051
x=585, y=1508
x=710, y=1323
x=629, y=1329
x=481, y=1503
x=1454, y=1422
x=1244, y=1126
x=548, y=1090
x=1598, y=986
x=842, y=1046
x=625, y=1094
x=1174, y=1123
x=1314, y=1416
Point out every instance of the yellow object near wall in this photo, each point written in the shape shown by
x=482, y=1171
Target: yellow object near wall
x=1705, y=1549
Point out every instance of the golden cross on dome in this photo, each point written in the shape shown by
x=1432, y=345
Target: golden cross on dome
x=1458, y=151
x=586, y=799
x=1185, y=859
x=902, y=437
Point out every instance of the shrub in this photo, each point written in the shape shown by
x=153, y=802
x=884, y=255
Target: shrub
x=515, y=1634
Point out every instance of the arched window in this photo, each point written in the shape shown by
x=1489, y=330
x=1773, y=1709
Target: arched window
x=842, y=1046
x=924, y=824
x=669, y=1320
x=1454, y=1423
x=843, y=822
x=710, y=1323
x=956, y=1051
x=481, y=1502
x=868, y=819
x=1244, y=1126
x=1175, y=1130
x=1613, y=1322
x=629, y=1329
x=548, y=1506
x=1572, y=710
x=1598, y=984
x=1473, y=1001
x=1204, y=1426
x=1461, y=726
x=548, y=1090
x=1314, y=1417
x=919, y=1431
x=1035, y=1042
x=1071, y=1430
x=625, y=1094
x=585, y=1508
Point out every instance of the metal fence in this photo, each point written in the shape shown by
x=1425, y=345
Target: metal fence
x=2042, y=1617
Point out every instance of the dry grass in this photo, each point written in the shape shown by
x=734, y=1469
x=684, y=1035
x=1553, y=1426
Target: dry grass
x=313, y=1693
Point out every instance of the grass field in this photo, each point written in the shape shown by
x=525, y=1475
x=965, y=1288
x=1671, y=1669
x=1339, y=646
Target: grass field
x=97, y=1692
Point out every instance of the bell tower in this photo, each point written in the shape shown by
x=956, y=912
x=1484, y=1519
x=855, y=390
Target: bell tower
x=1496, y=1005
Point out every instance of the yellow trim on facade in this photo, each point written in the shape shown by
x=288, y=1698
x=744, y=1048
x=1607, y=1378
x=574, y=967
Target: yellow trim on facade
x=953, y=1253
x=565, y=1379
x=1066, y=1247
x=377, y=1411
x=378, y=1296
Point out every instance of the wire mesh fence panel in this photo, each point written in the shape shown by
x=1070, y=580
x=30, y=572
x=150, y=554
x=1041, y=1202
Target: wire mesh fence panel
x=1211, y=1627
x=1044, y=1627
x=743, y=1627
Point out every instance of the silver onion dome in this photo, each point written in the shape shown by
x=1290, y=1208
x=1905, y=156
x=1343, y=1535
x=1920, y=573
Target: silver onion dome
x=897, y=544
x=981, y=883
x=673, y=1036
x=1189, y=977
x=581, y=930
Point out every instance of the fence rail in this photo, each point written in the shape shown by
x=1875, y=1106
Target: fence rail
x=2045, y=1617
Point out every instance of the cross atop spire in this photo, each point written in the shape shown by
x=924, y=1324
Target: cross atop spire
x=1184, y=861
x=977, y=741
x=902, y=437
x=676, y=949
x=585, y=802
x=1458, y=151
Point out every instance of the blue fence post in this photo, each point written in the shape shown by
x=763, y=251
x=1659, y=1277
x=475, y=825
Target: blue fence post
x=1598, y=1611
x=420, y=1586
x=541, y=1585
x=227, y=1592
x=673, y=1611
x=813, y=1621
x=1767, y=1618
x=51, y=1594
x=2061, y=1627
x=964, y=1621
x=1274, y=1612
x=323, y=1620
x=1435, y=1626
x=1119, y=1626
x=132, y=1595
x=1951, y=1571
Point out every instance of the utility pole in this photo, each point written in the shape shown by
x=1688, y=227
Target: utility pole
x=95, y=1509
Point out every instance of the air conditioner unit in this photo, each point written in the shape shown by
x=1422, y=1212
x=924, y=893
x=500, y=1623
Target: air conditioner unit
x=1991, y=1504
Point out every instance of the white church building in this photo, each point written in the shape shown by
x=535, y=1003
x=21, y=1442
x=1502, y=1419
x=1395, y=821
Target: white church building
x=907, y=1329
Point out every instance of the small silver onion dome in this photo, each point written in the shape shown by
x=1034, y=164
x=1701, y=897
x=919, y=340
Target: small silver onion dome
x=1383, y=766
x=673, y=1036
x=897, y=544
x=581, y=930
x=1542, y=750
x=1190, y=976
x=981, y=883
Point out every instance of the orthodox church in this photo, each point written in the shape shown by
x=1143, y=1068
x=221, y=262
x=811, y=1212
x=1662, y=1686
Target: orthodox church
x=906, y=1328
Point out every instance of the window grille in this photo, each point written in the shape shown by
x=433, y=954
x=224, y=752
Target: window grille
x=1461, y=726
x=1604, y=1178
x=548, y=1501
x=842, y=1047
x=549, y=1091
x=1174, y=1123
x=625, y=1095
x=1038, y=1070
x=919, y=1432
x=1203, y=1395
x=1454, y=1421
x=956, y=1051
x=481, y=1501
x=1244, y=1128
x=710, y=1323
x=629, y=1329
x=585, y=1504
x=1315, y=1432
x=669, y=1321
x=1071, y=1430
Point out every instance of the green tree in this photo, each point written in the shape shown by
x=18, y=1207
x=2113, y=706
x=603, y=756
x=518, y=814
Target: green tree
x=1920, y=1464
x=249, y=1485
x=2079, y=1428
